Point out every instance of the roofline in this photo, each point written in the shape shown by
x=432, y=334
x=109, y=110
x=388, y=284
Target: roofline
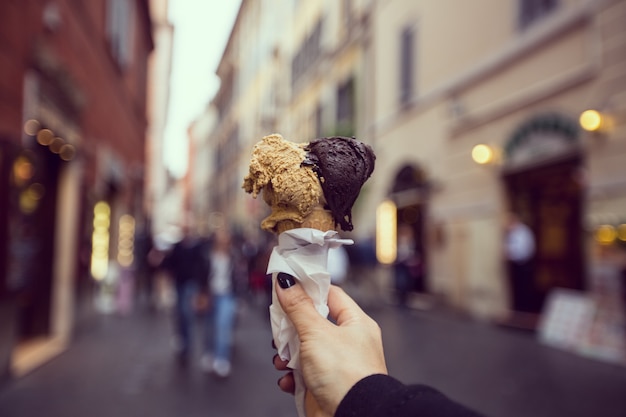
x=230, y=37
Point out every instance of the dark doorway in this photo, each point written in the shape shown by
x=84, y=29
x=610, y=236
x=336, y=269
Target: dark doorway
x=410, y=193
x=32, y=218
x=549, y=200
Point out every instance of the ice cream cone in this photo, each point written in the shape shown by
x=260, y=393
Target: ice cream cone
x=319, y=219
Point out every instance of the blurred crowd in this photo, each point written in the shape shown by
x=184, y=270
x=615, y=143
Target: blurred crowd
x=207, y=279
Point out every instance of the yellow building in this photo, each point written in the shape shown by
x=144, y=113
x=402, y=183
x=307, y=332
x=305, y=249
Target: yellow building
x=302, y=81
x=425, y=83
x=514, y=76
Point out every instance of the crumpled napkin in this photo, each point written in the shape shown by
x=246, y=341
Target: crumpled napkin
x=302, y=253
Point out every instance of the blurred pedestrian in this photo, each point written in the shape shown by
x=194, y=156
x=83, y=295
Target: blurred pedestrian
x=188, y=268
x=260, y=281
x=519, y=249
x=144, y=269
x=224, y=283
x=407, y=264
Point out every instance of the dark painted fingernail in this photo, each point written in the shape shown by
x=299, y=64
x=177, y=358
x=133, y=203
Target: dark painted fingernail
x=274, y=359
x=285, y=280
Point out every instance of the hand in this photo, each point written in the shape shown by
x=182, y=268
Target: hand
x=333, y=357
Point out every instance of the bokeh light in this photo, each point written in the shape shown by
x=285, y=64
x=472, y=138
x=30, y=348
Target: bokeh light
x=591, y=120
x=386, y=224
x=125, y=242
x=45, y=137
x=606, y=234
x=31, y=127
x=482, y=154
x=100, y=241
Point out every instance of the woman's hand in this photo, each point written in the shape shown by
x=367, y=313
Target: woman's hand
x=333, y=357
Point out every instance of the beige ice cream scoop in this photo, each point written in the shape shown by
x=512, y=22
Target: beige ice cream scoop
x=290, y=189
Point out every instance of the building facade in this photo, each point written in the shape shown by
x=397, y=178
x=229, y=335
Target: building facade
x=159, y=74
x=72, y=126
x=449, y=80
x=304, y=86
x=473, y=112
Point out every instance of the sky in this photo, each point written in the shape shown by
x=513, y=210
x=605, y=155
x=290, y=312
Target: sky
x=201, y=30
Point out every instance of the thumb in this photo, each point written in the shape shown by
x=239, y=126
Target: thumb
x=296, y=303
x=343, y=309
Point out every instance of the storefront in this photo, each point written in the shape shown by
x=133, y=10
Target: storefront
x=543, y=180
x=409, y=193
x=37, y=261
x=38, y=224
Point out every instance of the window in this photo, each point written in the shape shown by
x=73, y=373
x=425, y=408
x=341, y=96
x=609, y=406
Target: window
x=310, y=50
x=318, y=121
x=120, y=30
x=345, y=108
x=532, y=10
x=407, y=64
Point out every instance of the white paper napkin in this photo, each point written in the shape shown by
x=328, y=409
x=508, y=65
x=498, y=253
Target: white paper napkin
x=302, y=253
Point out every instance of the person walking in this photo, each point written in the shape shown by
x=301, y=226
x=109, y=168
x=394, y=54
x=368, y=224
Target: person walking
x=187, y=266
x=406, y=266
x=220, y=321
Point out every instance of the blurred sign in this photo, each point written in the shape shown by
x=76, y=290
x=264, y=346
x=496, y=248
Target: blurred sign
x=566, y=319
x=579, y=322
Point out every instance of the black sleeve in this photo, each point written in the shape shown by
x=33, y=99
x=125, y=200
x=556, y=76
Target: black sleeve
x=382, y=395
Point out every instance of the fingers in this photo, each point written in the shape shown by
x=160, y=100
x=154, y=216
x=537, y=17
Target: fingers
x=343, y=308
x=280, y=364
x=299, y=307
x=287, y=383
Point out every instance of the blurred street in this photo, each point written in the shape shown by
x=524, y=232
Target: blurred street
x=124, y=366
x=491, y=185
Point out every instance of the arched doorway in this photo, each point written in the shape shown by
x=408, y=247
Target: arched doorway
x=542, y=179
x=410, y=194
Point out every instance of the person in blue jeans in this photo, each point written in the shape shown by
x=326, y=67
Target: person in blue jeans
x=188, y=267
x=222, y=286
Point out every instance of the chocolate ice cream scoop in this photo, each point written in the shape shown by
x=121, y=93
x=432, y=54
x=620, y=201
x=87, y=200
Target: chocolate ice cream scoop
x=343, y=165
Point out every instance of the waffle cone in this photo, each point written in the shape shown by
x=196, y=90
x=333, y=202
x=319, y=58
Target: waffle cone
x=319, y=219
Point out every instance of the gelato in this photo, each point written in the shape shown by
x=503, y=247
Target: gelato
x=310, y=188
x=300, y=180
